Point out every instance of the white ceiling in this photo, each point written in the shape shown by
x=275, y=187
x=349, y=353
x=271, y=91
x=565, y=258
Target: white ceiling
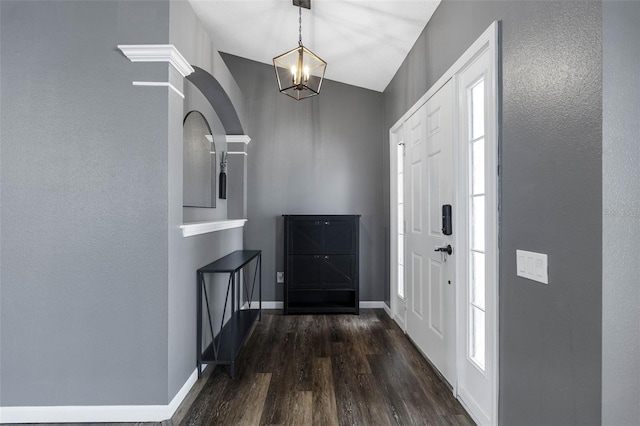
x=363, y=41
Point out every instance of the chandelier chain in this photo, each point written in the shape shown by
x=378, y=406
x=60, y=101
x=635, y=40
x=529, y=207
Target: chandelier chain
x=299, y=26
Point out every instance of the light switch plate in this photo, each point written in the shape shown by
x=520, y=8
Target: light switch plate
x=531, y=265
x=279, y=277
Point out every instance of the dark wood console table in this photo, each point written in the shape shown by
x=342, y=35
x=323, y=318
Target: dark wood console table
x=227, y=343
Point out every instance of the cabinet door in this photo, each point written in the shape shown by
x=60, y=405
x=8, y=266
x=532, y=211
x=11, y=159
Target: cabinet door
x=339, y=236
x=305, y=236
x=304, y=271
x=337, y=271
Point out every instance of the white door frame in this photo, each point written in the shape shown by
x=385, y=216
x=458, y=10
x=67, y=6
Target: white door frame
x=487, y=42
x=398, y=308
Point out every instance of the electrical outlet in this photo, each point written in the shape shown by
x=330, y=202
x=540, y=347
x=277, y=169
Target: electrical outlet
x=280, y=277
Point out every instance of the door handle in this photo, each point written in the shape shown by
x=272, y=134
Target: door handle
x=448, y=249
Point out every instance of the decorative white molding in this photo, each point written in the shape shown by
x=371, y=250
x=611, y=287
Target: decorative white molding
x=196, y=228
x=159, y=84
x=98, y=413
x=209, y=138
x=237, y=153
x=157, y=53
x=245, y=139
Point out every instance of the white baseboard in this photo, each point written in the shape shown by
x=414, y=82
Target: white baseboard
x=98, y=413
x=270, y=305
x=364, y=304
x=387, y=309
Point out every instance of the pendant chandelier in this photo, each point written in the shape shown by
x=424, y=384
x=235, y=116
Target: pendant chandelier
x=299, y=71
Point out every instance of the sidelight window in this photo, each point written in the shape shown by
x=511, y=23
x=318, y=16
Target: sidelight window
x=400, y=210
x=477, y=225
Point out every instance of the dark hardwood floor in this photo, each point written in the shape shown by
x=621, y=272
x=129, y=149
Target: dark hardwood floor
x=327, y=370
x=322, y=370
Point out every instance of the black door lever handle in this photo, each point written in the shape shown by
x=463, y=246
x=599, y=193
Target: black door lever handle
x=448, y=249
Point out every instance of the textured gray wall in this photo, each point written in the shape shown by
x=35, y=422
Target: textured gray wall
x=97, y=282
x=550, y=336
x=84, y=205
x=621, y=214
x=320, y=155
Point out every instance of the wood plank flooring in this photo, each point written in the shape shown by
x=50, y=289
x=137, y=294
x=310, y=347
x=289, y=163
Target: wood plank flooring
x=327, y=370
x=322, y=370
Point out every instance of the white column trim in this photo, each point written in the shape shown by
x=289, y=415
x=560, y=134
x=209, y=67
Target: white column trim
x=159, y=84
x=196, y=228
x=245, y=139
x=157, y=53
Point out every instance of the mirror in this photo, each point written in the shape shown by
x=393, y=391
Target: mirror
x=199, y=167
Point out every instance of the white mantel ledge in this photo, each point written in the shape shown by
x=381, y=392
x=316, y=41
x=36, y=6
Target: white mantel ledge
x=190, y=229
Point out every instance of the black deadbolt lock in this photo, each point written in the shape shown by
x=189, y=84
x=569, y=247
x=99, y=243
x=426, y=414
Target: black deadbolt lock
x=447, y=227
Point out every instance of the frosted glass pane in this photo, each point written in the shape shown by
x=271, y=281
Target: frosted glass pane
x=477, y=222
x=401, y=281
x=477, y=344
x=477, y=110
x=400, y=218
x=477, y=167
x=401, y=249
x=400, y=187
x=477, y=279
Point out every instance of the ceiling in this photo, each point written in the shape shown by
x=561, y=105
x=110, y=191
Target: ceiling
x=363, y=42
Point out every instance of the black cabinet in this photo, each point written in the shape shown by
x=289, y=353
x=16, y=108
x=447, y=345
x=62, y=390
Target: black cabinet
x=321, y=263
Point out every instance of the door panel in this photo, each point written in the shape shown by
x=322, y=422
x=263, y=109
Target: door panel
x=435, y=297
x=416, y=194
x=304, y=272
x=336, y=271
x=431, y=319
x=306, y=237
x=416, y=284
x=339, y=237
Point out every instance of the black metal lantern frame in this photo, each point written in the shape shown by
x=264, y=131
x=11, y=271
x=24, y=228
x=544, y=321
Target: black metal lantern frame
x=299, y=71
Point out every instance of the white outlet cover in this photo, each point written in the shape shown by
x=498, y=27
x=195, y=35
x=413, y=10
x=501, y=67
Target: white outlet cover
x=533, y=266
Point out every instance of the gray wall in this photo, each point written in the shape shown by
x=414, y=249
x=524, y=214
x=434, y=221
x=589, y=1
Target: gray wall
x=551, y=200
x=84, y=205
x=98, y=285
x=621, y=214
x=319, y=155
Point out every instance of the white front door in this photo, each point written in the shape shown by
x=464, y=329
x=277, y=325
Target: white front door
x=430, y=274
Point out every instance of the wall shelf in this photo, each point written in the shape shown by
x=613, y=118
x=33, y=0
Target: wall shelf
x=190, y=229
